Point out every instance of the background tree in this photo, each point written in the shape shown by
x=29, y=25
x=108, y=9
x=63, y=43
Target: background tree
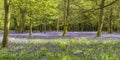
x=54, y=15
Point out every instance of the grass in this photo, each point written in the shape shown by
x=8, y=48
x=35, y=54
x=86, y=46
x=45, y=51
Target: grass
x=76, y=49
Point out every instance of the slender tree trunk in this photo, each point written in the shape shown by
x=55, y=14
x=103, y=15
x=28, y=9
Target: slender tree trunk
x=42, y=27
x=45, y=28
x=82, y=26
x=30, y=22
x=74, y=27
x=110, y=22
x=66, y=14
x=6, y=23
x=22, y=21
x=50, y=27
x=15, y=25
x=101, y=18
x=58, y=25
x=30, y=32
x=118, y=30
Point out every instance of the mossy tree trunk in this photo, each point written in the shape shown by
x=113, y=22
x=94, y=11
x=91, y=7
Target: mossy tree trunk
x=66, y=16
x=100, y=25
x=22, y=20
x=45, y=28
x=15, y=24
x=30, y=28
x=57, y=25
x=30, y=22
x=6, y=23
x=110, y=22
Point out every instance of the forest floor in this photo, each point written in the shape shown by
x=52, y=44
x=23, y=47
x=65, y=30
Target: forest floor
x=52, y=46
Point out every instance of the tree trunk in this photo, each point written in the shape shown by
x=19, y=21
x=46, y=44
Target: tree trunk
x=45, y=28
x=15, y=25
x=110, y=22
x=30, y=32
x=50, y=27
x=66, y=15
x=22, y=21
x=101, y=18
x=118, y=30
x=82, y=26
x=6, y=23
x=58, y=25
x=41, y=28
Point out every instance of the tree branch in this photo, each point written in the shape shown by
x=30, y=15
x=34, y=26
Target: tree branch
x=107, y=5
x=94, y=9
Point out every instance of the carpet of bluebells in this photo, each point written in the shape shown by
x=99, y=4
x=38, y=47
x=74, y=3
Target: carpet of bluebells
x=52, y=46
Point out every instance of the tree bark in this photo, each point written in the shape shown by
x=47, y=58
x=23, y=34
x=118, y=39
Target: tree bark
x=50, y=27
x=6, y=23
x=57, y=25
x=100, y=25
x=45, y=28
x=30, y=31
x=15, y=24
x=110, y=22
x=66, y=15
x=22, y=23
x=82, y=26
x=22, y=20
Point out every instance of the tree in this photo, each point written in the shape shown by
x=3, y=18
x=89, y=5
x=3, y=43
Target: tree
x=66, y=16
x=6, y=23
x=30, y=15
x=110, y=21
x=101, y=18
x=102, y=6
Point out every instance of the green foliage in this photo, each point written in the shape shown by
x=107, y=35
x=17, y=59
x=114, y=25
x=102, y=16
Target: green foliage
x=82, y=12
x=1, y=14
